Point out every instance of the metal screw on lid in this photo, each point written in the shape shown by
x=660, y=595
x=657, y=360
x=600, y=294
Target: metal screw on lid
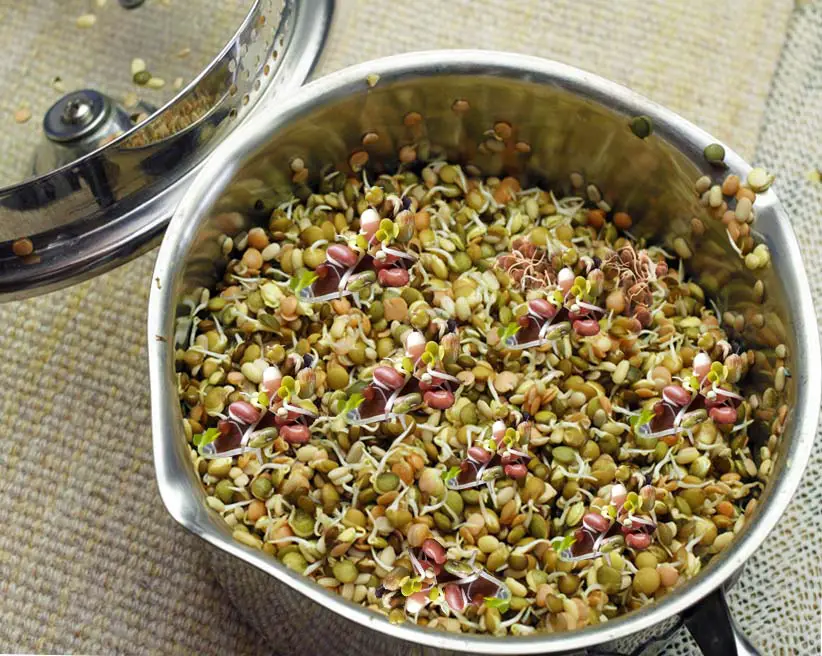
x=75, y=115
x=77, y=112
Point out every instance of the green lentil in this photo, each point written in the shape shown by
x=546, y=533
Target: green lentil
x=261, y=488
x=295, y=560
x=345, y=571
x=714, y=153
x=646, y=580
x=224, y=491
x=642, y=126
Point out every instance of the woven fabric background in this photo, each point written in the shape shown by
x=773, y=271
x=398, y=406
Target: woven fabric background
x=89, y=560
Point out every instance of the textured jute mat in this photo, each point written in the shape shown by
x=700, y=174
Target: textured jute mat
x=89, y=560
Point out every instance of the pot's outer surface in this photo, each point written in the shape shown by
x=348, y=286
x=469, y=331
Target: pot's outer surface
x=573, y=121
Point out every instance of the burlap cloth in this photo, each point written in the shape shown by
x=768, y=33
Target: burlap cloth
x=89, y=560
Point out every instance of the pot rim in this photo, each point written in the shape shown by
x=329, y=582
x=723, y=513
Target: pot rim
x=174, y=480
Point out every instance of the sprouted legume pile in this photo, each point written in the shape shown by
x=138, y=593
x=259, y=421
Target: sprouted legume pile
x=470, y=405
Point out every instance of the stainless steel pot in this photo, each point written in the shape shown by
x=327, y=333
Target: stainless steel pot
x=572, y=121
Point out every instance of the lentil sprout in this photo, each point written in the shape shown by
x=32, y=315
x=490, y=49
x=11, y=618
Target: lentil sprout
x=469, y=405
x=642, y=126
x=714, y=153
x=141, y=77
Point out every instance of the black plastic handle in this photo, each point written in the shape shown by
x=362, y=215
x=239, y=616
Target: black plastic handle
x=714, y=629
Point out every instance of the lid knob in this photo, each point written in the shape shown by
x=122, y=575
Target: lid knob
x=76, y=115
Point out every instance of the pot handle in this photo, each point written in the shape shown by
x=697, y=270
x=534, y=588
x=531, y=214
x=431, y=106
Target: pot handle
x=714, y=629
